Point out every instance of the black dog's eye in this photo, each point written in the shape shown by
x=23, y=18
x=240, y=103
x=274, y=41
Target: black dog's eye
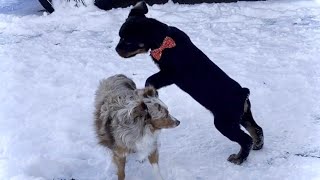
x=126, y=42
x=141, y=45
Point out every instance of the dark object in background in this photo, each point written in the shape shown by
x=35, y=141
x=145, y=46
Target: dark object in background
x=109, y=4
x=207, y=1
x=47, y=4
x=104, y=4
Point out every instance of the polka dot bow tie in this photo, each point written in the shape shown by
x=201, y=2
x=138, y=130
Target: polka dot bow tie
x=168, y=42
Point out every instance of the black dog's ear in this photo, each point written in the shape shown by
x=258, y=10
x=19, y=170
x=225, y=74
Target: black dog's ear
x=140, y=9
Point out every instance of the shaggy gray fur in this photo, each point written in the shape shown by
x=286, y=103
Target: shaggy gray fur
x=116, y=102
x=123, y=113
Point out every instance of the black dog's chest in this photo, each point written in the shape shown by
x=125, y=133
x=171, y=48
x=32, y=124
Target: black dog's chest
x=192, y=71
x=165, y=63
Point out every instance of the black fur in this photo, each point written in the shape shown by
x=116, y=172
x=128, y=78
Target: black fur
x=192, y=71
x=109, y=4
x=47, y=4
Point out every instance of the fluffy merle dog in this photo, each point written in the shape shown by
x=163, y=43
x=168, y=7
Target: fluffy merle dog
x=183, y=64
x=129, y=120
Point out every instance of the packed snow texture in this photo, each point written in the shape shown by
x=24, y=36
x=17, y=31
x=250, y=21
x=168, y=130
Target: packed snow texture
x=50, y=66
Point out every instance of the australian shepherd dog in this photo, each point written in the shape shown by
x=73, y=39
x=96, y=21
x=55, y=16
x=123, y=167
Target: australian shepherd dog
x=128, y=120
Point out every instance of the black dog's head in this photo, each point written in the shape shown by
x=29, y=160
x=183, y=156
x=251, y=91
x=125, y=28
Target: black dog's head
x=139, y=33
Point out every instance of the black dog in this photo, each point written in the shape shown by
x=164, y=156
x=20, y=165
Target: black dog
x=183, y=64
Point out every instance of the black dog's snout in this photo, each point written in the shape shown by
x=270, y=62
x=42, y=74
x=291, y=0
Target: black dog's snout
x=118, y=47
x=120, y=50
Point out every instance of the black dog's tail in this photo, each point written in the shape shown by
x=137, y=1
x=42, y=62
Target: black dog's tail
x=246, y=92
x=247, y=104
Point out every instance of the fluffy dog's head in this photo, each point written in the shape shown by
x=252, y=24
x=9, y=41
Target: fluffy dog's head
x=139, y=33
x=160, y=116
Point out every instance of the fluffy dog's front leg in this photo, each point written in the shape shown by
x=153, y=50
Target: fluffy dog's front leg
x=159, y=80
x=154, y=159
x=120, y=163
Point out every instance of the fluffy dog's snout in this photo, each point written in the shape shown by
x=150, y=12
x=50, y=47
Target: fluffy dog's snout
x=177, y=123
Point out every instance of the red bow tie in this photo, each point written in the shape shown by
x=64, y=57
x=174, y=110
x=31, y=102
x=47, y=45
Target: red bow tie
x=168, y=42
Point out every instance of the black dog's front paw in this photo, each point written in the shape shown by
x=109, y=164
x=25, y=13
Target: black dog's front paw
x=236, y=159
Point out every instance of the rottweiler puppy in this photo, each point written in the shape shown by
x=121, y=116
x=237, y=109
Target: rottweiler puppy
x=182, y=63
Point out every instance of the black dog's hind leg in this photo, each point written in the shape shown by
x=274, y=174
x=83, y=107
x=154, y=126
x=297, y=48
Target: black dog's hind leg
x=159, y=80
x=231, y=129
x=252, y=127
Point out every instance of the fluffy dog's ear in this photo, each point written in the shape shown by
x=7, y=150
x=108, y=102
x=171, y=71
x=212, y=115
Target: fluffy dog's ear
x=150, y=92
x=140, y=9
x=146, y=92
x=141, y=109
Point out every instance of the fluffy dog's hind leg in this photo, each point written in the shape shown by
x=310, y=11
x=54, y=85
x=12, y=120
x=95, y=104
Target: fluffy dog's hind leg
x=252, y=127
x=232, y=130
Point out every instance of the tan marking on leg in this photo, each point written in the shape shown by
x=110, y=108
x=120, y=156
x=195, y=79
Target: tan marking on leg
x=154, y=159
x=252, y=131
x=246, y=106
x=121, y=151
x=120, y=163
x=250, y=125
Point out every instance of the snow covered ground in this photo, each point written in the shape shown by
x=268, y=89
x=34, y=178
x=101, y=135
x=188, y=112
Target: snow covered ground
x=50, y=66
